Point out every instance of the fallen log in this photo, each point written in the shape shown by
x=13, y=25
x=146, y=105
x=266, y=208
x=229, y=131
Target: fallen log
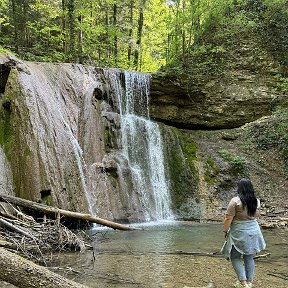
x=69, y=214
x=23, y=273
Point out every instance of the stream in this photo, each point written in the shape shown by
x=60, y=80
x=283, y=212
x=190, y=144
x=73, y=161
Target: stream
x=160, y=255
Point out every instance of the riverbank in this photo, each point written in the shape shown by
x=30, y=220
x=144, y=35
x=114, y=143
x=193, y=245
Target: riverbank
x=190, y=270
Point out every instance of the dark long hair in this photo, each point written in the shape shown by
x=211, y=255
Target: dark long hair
x=247, y=196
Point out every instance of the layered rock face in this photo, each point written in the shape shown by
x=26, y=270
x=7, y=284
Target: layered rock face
x=237, y=95
x=43, y=112
x=213, y=105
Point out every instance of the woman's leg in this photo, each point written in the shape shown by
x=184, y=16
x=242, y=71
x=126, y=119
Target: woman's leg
x=238, y=266
x=249, y=267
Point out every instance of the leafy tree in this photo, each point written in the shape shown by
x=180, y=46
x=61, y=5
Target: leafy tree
x=4, y=22
x=139, y=34
x=45, y=32
x=154, y=52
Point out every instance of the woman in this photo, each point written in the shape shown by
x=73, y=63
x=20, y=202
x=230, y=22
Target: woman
x=242, y=233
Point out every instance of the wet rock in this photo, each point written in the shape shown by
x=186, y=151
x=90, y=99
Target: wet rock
x=6, y=178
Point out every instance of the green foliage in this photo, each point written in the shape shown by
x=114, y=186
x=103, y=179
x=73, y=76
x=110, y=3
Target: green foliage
x=272, y=134
x=211, y=171
x=155, y=36
x=180, y=33
x=282, y=82
x=5, y=50
x=238, y=163
x=225, y=25
x=274, y=28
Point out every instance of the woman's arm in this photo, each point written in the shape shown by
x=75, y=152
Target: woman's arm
x=227, y=222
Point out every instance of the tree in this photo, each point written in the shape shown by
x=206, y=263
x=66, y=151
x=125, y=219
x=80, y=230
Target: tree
x=71, y=51
x=130, y=31
x=130, y=34
x=139, y=33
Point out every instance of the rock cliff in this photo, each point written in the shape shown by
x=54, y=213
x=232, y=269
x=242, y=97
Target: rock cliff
x=55, y=129
x=228, y=98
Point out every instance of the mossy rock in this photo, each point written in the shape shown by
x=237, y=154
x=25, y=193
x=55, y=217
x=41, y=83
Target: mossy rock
x=180, y=153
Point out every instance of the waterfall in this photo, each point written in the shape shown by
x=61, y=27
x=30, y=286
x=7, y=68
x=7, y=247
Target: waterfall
x=142, y=146
x=90, y=145
x=79, y=159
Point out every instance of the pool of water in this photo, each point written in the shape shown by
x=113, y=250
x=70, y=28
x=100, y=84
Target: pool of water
x=169, y=254
x=166, y=237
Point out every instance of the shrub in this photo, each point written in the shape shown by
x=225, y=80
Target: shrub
x=238, y=163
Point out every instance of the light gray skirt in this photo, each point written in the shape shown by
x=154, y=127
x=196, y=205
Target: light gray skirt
x=245, y=236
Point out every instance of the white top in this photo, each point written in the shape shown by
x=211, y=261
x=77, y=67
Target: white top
x=235, y=209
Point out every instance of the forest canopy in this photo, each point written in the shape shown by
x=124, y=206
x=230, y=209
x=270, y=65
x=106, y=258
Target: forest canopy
x=132, y=34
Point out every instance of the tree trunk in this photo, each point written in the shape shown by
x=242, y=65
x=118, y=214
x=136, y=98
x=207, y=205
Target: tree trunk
x=115, y=35
x=139, y=33
x=80, y=40
x=15, y=228
x=14, y=21
x=69, y=214
x=26, y=274
x=64, y=28
x=106, y=36
x=130, y=31
x=72, y=30
x=183, y=33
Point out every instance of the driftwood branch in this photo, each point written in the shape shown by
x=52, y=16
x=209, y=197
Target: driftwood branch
x=8, y=215
x=29, y=274
x=15, y=228
x=69, y=214
x=211, y=284
x=262, y=256
x=209, y=254
x=279, y=275
x=8, y=245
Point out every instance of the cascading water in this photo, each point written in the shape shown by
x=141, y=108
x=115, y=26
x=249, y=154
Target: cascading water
x=78, y=154
x=91, y=148
x=142, y=147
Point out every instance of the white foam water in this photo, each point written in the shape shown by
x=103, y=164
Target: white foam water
x=142, y=145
